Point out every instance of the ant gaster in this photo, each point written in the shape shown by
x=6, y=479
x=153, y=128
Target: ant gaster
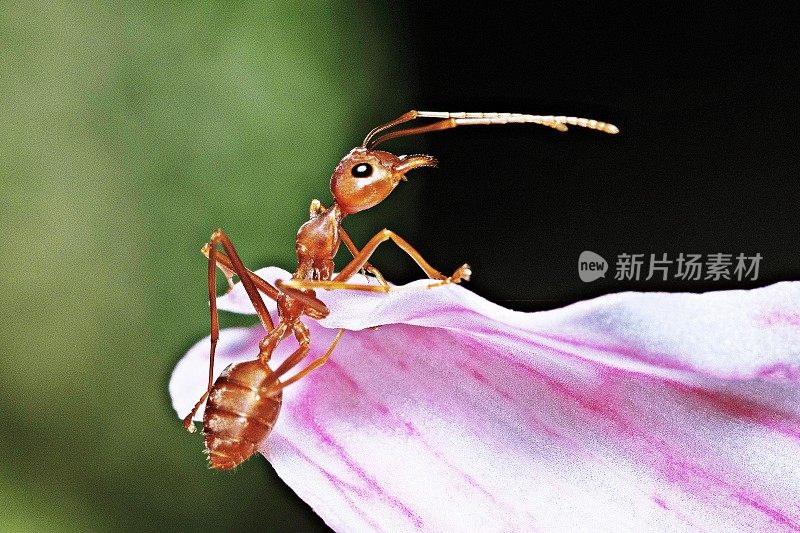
x=244, y=402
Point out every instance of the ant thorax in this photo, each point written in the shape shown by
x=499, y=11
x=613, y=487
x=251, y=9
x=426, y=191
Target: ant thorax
x=317, y=243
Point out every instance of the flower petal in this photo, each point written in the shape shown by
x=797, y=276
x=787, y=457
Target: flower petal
x=237, y=301
x=729, y=334
x=459, y=415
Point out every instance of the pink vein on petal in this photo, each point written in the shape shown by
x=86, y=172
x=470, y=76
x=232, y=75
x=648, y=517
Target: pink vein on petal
x=623, y=350
x=304, y=410
x=339, y=484
x=661, y=503
x=664, y=505
x=745, y=409
x=413, y=432
x=686, y=472
x=524, y=368
x=780, y=370
x=595, y=402
x=342, y=376
x=778, y=318
x=678, y=470
x=773, y=513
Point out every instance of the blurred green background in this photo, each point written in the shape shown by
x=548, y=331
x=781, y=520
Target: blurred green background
x=129, y=132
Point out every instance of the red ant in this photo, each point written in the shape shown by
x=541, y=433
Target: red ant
x=244, y=402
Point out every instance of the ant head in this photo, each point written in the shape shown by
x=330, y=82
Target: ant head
x=365, y=177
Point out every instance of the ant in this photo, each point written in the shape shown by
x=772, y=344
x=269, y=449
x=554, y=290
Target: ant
x=244, y=402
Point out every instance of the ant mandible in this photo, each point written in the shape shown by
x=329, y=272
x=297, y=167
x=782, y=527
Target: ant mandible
x=244, y=402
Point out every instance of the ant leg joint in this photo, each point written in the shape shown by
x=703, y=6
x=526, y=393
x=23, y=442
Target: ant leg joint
x=301, y=333
x=217, y=235
x=267, y=345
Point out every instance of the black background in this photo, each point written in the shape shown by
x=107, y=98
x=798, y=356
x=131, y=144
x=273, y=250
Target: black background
x=706, y=100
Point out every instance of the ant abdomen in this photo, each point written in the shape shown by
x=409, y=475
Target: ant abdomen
x=242, y=407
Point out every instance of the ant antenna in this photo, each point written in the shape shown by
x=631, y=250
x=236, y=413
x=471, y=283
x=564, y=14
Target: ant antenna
x=452, y=120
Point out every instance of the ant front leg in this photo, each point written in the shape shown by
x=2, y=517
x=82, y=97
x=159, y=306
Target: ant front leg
x=235, y=264
x=367, y=268
x=385, y=235
x=340, y=281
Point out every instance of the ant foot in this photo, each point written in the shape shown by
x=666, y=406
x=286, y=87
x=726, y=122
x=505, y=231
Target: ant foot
x=377, y=273
x=462, y=273
x=188, y=423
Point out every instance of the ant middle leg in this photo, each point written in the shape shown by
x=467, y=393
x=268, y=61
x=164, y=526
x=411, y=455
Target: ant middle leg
x=226, y=266
x=246, y=277
x=316, y=308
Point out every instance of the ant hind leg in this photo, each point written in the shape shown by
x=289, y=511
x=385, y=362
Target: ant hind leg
x=313, y=365
x=235, y=264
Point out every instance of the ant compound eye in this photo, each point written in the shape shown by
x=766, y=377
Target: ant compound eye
x=362, y=170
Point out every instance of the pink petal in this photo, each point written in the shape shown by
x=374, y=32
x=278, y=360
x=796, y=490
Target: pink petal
x=613, y=413
x=237, y=301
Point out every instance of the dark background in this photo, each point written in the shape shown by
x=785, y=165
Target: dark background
x=706, y=161
x=131, y=131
